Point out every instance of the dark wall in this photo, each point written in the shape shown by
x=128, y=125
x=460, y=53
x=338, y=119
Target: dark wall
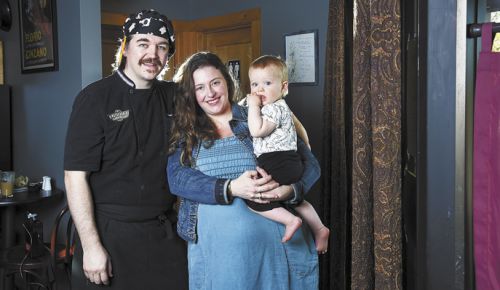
x=5, y=129
x=41, y=102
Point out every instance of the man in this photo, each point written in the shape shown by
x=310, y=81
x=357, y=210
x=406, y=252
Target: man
x=115, y=160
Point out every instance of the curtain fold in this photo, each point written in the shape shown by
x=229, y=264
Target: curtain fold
x=362, y=165
x=334, y=265
x=376, y=170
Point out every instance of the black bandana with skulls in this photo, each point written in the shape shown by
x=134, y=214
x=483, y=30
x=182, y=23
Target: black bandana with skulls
x=151, y=22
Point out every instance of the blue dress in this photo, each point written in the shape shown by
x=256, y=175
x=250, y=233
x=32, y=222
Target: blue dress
x=239, y=249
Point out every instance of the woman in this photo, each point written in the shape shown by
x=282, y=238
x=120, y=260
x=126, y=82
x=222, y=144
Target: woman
x=229, y=246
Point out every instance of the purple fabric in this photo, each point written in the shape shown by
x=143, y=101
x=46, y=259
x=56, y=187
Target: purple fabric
x=486, y=170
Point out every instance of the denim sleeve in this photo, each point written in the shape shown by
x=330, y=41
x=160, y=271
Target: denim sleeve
x=192, y=184
x=311, y=173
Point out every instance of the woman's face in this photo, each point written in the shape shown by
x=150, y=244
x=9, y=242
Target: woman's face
x=211, y=91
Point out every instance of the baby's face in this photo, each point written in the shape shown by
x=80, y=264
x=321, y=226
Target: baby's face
x=267, y=84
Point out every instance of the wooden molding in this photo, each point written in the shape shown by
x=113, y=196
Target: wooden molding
x=232, y=20
x=108, y=18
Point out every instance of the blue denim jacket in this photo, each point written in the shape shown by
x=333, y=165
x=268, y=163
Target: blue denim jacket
x=195, y=187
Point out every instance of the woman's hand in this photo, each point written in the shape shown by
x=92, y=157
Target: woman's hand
x=252, y=185
x=283, y=192
x=277, y=193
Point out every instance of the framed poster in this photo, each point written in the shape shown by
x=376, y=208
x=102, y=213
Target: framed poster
x=38, y=34
x=301, y=55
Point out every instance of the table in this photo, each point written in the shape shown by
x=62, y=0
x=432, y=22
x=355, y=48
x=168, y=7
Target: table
x=8, y=212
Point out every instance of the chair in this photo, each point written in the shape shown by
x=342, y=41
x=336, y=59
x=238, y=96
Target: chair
x=34, y=268
x=62, y=253
x=41, y=272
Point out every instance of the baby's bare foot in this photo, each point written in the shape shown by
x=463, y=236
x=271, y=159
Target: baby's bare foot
x=321, y=238
x=291, y=228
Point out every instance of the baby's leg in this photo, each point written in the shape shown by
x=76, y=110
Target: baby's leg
x=281, y=215
x=321, y=233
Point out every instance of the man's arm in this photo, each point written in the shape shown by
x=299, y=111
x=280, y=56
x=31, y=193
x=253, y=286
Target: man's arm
x=96, y=261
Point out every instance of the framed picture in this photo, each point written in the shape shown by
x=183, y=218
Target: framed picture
x=38, y=34
x=301, y=55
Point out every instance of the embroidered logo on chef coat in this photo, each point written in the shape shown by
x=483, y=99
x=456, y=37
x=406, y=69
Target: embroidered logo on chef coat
x=119, y=115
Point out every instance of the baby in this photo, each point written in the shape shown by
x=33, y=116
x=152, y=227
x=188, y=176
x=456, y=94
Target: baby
x=271, y=124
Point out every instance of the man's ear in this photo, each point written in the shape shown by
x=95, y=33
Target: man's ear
x=124, y=51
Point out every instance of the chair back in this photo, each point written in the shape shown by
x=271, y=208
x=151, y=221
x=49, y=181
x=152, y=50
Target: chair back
x=62, y=240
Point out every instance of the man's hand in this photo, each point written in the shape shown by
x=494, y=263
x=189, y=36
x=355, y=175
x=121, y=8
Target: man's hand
x=96, y=261
x=97, y=265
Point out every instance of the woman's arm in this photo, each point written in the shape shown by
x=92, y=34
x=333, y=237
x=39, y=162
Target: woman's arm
x=311, y=174
x=192, y=184
x=301, y=131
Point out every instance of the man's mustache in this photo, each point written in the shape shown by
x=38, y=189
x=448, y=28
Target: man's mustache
x=150, y=61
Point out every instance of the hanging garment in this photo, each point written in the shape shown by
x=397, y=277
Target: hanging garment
x=486, y=168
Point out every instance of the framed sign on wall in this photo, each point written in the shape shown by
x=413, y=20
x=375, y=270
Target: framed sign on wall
x=38, y=34
x=301, y=55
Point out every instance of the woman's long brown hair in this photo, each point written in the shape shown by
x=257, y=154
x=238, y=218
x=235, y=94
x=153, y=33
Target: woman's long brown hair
x=191, y=123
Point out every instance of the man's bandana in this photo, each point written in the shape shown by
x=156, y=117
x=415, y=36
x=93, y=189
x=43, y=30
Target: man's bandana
x=150, y=22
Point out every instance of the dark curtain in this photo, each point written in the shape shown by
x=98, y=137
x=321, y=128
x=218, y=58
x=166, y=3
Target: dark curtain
x=334, y=265
x=362, y=165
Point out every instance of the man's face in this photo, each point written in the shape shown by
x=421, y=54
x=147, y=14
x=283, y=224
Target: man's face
x=146, y=56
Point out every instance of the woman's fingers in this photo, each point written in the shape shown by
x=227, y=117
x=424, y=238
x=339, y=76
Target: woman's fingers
x=260, y=200
x=261, y=171
x=280, y=193
x=255, y=185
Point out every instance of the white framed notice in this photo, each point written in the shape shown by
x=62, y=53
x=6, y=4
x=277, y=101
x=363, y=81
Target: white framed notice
x=301, y=55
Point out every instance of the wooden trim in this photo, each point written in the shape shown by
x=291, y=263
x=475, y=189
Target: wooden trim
x=232, y=20
x=243, y=18
x=256, y=37
x=108, y=18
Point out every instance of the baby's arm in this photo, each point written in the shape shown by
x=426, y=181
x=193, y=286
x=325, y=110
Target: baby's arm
x=301, y=131
x=258, y=126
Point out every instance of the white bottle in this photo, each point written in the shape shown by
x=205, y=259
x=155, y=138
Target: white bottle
x=46, y=184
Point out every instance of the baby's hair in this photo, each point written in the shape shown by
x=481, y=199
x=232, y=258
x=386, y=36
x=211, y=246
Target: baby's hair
x=267, y=60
